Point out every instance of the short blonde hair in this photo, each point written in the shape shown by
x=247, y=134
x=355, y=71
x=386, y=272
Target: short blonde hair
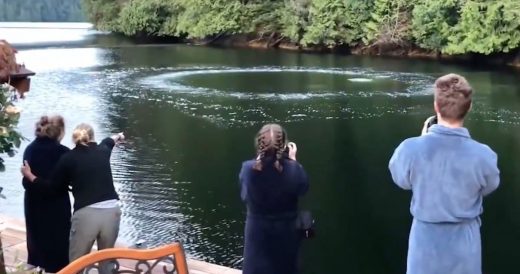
x=83, y=134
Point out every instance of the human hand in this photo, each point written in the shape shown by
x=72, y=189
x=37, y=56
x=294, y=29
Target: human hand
x=427, y=123
x=118, y=138
x=292, y=150
x=26, y=172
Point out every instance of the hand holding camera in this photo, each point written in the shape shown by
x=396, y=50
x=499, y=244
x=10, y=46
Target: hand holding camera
x=432, y=120
x=119, y=138
x=292, y=150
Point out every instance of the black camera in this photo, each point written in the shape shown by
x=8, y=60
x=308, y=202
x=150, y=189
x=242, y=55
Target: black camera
x=286, y=151
x=432, y=121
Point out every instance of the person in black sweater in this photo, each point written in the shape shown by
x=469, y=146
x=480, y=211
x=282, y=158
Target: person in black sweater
x=47, y=212
x=87, y=170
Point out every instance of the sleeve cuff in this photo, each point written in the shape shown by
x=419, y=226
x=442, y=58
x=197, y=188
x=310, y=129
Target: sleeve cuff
x=109, y=142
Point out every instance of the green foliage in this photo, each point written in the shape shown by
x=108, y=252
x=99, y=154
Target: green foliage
x=359, y=15
x=447, y=26
x=294, y=19
x=41, y=11
x=146, y=17
x=335, y=22
x=10, y=139
x=328, y=23
x=103, y=13
x=265, y=17
x=486, y=27
x=389, y=22
x=203, y=18
x=433, y=22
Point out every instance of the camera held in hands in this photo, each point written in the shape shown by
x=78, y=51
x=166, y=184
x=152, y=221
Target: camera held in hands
x=286, y=152
x=432, y=121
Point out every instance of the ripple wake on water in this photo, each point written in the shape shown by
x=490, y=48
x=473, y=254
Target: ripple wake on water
x=419, y=84
x=243, y=108
x=164, y=85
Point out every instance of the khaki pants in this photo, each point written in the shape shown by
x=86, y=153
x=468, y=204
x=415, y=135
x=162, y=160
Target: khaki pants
x=90, y=225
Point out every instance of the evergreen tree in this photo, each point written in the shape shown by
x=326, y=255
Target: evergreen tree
x=389, y=23
x=486, y=27
x=336, y=22
x=447, y=26
x=294, y=19
x=433, y=23
x=204, y=18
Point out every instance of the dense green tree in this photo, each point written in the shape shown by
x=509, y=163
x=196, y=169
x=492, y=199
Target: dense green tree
x=203, y=18
x=447, y=26
x=336, y=22
x=433, y=23
x=148, y=17
x=486, y=27
x=103, y=13
x=328, y=23
x=265, y=17
x=294, y=19
x=389, y=23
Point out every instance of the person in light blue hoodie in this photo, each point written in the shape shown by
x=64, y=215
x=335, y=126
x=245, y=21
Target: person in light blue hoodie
x=448, y=173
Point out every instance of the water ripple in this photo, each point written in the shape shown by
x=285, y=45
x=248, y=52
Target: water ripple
x=420, y=83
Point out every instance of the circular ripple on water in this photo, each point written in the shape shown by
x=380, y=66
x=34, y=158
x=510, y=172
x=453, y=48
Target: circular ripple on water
x=417, y=84
x=364, y=96
x=166, y=86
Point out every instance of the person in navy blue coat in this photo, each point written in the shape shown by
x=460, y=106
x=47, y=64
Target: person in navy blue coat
x=47, y=211
x=271, y=186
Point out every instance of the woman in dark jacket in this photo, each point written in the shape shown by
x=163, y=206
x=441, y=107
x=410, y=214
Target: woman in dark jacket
x=271, y=186
x=87, y=170
x=47, y=212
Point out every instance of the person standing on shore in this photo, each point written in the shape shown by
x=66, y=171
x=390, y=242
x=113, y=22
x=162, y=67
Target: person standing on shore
x=448, y=173
x=47, y=211
x=87, y=170
x=271, y=186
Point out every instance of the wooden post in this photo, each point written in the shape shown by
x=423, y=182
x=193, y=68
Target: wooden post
x=2, y=261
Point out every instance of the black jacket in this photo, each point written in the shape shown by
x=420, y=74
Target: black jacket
x=47, y=210
x=87, y=170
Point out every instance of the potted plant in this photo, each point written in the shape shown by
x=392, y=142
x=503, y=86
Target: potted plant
x=10, y=138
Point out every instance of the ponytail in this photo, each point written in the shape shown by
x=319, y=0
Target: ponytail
x=83, y=134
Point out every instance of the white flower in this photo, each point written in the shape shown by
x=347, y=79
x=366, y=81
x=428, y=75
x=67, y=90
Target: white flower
x=12, y=110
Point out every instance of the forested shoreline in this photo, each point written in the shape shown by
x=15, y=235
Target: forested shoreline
x=436, y=28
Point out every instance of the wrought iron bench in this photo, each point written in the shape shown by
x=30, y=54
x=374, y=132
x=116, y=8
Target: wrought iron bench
x=167, y=259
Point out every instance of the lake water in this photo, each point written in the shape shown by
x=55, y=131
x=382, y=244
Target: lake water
x=190, y=115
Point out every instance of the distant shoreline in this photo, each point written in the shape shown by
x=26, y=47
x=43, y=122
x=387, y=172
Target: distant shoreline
x=511, y=59
x=46, y=25
x=234, y=41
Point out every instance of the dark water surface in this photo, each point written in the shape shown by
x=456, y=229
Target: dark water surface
x=190, y=114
